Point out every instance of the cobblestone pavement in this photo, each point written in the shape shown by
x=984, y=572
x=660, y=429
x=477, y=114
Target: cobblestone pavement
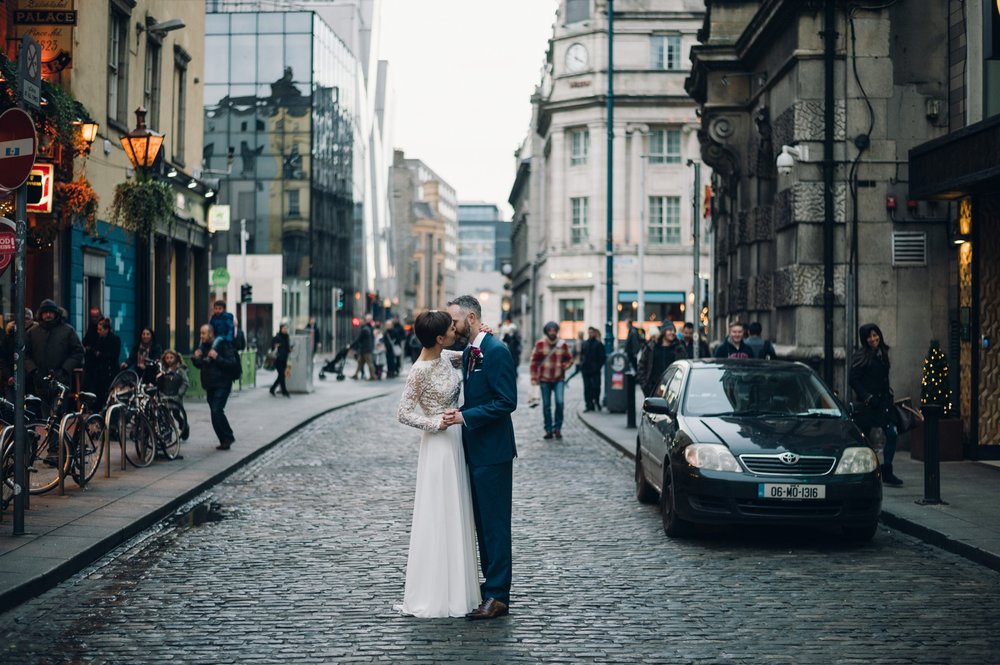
x=303, y=554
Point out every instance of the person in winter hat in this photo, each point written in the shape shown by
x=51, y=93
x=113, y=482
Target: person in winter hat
x=869, y=379
x=51, y=346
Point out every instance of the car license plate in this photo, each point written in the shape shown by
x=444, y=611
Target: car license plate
x=790, y=491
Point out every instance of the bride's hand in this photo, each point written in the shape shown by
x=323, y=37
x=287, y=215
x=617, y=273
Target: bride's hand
x=485, y=328
x=442, y=425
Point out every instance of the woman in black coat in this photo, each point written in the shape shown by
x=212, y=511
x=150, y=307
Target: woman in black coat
x=869, y=379
x=101, y=359
x=282, y=346
x=145, y=347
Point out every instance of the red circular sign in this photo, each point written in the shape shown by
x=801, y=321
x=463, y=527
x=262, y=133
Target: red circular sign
x=17, y=148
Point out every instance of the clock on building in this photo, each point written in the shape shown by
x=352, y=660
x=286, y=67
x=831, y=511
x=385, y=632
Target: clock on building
x=576, y=58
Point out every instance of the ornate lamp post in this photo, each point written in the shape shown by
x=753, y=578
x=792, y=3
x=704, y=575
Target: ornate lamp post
x=88, y=132
x=142, y=145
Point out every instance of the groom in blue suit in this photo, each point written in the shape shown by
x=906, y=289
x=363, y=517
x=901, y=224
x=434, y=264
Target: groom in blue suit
x=488, y=439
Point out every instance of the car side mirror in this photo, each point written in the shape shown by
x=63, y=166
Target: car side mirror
x=656, y=405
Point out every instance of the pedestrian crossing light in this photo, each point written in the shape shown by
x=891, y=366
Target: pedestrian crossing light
x=340, y=299
x=246, y=292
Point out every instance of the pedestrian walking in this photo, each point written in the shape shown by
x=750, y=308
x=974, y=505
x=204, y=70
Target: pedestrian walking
x=633, y=343
x=512, y=339
x=549, y=362
x=762, y=349
x=171, y=384
x=101, y=356
x=869, y=379
x=145, y=347
x=51, y=347
x=594, y=356
x=219, y=367
x=577, y=355
x=687, y=335
x=282, y=347
x=734, y=346
x=364, y=345
x=657, y=356
x=379, y=354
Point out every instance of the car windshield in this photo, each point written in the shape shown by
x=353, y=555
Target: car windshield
x=750, y=391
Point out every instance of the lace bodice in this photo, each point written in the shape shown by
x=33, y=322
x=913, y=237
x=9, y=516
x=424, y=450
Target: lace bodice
x=432, y=387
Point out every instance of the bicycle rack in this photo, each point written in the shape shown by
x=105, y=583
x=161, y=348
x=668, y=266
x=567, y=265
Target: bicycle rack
x=109, y=413
x=60, y=448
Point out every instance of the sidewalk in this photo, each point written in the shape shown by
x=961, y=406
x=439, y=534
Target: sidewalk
x=967, y=524
x=66, y=533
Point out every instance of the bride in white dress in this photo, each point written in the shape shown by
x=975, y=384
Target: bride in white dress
x=442, y=573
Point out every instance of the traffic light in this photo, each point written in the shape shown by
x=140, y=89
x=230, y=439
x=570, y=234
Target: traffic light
x=339, y=293
x=246, y=292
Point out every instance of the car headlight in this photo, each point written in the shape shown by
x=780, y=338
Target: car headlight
x=711, y=457
x=857, y=460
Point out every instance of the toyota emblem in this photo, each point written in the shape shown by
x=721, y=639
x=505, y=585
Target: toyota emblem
x=789, y=458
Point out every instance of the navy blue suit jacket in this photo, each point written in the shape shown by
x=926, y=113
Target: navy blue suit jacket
x=490, y=398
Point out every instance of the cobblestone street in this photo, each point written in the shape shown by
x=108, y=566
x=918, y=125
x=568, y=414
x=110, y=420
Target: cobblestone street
x=301, y=557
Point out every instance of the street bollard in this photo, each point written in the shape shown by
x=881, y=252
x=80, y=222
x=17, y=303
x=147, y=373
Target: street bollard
x=932, y=456
x=630, y=399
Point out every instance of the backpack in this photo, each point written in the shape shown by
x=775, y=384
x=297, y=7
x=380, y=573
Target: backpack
x=235, y=371
x=240, y=342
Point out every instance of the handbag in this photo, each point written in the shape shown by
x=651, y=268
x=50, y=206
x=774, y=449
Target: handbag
x=270, y=359
x=905, y=416
x=534, y=396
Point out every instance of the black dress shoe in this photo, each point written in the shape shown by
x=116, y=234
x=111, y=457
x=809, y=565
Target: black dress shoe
x=490, y=609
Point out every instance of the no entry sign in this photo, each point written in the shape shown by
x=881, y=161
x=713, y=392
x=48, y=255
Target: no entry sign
x=8, y=243
x=17, y=148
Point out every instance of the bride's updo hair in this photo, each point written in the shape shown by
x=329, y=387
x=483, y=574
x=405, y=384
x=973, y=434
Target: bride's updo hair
x=430, y=325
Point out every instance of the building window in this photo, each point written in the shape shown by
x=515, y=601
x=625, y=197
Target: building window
x=577, y=10
x=293, y=203
x=665, y=52
x=117, y=66
x=181, y=60
x=665, y=146
x=571, y=318
x=578, y=232
x=151, y=85
x=580, y=146
x=664, y=220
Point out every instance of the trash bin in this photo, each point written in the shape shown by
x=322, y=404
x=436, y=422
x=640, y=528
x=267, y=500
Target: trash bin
x=301, y=359
x=615, y=394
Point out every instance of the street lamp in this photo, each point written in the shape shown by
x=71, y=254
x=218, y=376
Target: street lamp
x=88, y=132
x=142, y=144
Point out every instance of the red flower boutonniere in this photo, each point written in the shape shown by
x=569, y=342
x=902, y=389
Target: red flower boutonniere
x=475, y=358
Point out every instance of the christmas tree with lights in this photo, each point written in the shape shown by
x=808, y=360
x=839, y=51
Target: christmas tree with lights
x=934, y=388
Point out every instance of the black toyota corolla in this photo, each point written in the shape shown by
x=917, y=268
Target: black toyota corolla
x=754, y=442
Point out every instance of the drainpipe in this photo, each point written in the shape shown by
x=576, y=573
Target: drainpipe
x=829, y=54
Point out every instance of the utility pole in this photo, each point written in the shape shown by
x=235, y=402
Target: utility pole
x=609, y=340
x=696, y=233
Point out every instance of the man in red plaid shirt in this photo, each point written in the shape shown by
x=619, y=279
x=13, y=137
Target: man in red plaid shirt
x=549, y=362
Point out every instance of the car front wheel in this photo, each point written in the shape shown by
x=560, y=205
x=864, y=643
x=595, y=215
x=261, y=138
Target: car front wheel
x=644, y=492
x=673, y=525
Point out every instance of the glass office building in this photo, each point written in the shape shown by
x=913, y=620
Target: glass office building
x=280, y=133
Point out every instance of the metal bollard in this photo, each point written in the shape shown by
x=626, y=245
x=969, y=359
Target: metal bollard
x=932, y=456
x=630, y=399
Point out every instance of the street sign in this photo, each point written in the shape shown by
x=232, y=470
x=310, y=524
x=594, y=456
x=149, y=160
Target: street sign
x=218, y=218
x=220, y=278
x=30, y=72
x=8, y=243
x=17, y=148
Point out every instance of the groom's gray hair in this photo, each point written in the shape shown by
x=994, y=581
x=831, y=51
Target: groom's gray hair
x=468, y=304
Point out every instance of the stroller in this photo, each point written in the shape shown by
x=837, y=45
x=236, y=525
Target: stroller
x=336, y=365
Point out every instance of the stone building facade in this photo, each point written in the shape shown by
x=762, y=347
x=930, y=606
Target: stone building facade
x=833, y=239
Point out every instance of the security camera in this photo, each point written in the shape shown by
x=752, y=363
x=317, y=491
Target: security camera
x=786, y=160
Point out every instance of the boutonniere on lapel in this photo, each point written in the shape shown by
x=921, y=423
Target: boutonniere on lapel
x=475, y=358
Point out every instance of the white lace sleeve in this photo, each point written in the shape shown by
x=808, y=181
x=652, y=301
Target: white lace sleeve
x=409, y=411
x=454, y=356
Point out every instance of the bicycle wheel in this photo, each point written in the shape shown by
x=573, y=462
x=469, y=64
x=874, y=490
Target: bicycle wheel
x=140, y=440
x=168, y=437
x=87, y=446
x=43, y=457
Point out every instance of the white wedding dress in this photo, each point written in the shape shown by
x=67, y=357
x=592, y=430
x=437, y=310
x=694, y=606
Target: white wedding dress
x=442, y=570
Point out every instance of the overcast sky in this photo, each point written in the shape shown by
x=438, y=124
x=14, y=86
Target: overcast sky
x=462, y=72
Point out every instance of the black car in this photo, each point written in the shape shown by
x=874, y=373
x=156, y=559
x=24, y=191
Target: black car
x=754, y=442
